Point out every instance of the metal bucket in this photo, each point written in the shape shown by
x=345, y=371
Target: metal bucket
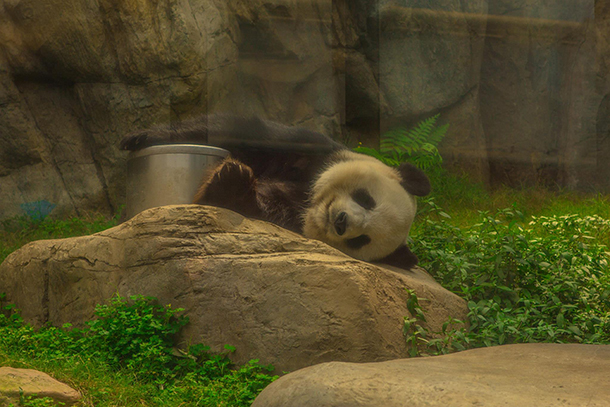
x=167, y=174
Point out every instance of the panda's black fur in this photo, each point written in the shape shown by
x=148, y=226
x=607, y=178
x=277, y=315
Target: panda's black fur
x=279, y=174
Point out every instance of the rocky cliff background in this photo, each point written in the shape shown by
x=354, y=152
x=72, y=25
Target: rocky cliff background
x=524, y=84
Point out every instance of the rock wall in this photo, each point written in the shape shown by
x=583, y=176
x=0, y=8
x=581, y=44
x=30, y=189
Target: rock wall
x=77, y=75
x=601, y=140
x=430, y=55
x=523, y=84
x=540, y=92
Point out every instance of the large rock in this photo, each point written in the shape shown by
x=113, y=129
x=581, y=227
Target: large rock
x=529, y=375
x=271, y=293
x=35, y=384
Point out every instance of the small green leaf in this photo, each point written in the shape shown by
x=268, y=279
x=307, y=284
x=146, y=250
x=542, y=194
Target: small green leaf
x=574, y=329
x=560, y=320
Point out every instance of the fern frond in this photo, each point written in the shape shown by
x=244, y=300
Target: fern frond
x=376, y=154
x=394, y=138
x=438, y=134
x=417, y=145
x=429, y=148
x=422, y=130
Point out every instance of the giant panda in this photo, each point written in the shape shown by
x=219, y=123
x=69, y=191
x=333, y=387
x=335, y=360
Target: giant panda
x=305, y=182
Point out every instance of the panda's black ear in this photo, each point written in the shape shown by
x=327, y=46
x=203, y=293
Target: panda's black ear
x=402, y=258
x=414, y=181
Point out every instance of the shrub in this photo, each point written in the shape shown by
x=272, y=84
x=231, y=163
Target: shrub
x=135, y=339
x=138, y=334
x=546, y=280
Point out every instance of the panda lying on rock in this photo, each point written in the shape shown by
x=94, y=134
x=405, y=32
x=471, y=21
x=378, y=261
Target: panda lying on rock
x=305, y=182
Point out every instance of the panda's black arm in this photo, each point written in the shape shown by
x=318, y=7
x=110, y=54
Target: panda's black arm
x=402, y=257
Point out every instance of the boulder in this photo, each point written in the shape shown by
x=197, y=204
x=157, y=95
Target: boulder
x=525, y=375
x=33, y=383
x=271, y=293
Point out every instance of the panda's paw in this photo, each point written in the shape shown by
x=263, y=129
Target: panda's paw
x=234, y=175
x=233, y=186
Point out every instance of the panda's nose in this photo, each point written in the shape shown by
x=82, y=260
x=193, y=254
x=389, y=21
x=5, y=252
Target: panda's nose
x=341, y=223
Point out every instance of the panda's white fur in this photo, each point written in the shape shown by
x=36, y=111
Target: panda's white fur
x=387, y=224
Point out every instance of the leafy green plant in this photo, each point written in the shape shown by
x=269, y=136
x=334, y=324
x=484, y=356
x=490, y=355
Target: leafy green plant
x=413, y=330
x=423, y=342
x=418, y=145
x=138, y=334
x=9, y=317
x=543, y=280
x=130, y=349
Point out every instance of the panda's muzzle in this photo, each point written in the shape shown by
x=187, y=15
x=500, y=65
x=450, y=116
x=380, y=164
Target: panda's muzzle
x=341, y=223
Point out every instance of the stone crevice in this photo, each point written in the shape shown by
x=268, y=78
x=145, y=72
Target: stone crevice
x=53, y=158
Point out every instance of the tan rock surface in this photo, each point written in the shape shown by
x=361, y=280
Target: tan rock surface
x=33, y=382
x=271, y=293
x=526, y=375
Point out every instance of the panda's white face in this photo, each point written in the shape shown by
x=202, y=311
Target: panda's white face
x=359, y=207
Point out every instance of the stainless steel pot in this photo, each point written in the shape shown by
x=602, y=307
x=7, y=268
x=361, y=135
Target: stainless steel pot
x=167, y=174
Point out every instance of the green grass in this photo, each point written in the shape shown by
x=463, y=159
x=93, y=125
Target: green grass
x=463, y=199
x=16, y=232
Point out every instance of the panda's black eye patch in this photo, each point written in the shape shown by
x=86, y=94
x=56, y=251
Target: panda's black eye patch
x=358, y=242
x=364, y=199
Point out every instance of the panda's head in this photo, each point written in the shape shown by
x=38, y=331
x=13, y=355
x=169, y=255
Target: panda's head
x=363, y=207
